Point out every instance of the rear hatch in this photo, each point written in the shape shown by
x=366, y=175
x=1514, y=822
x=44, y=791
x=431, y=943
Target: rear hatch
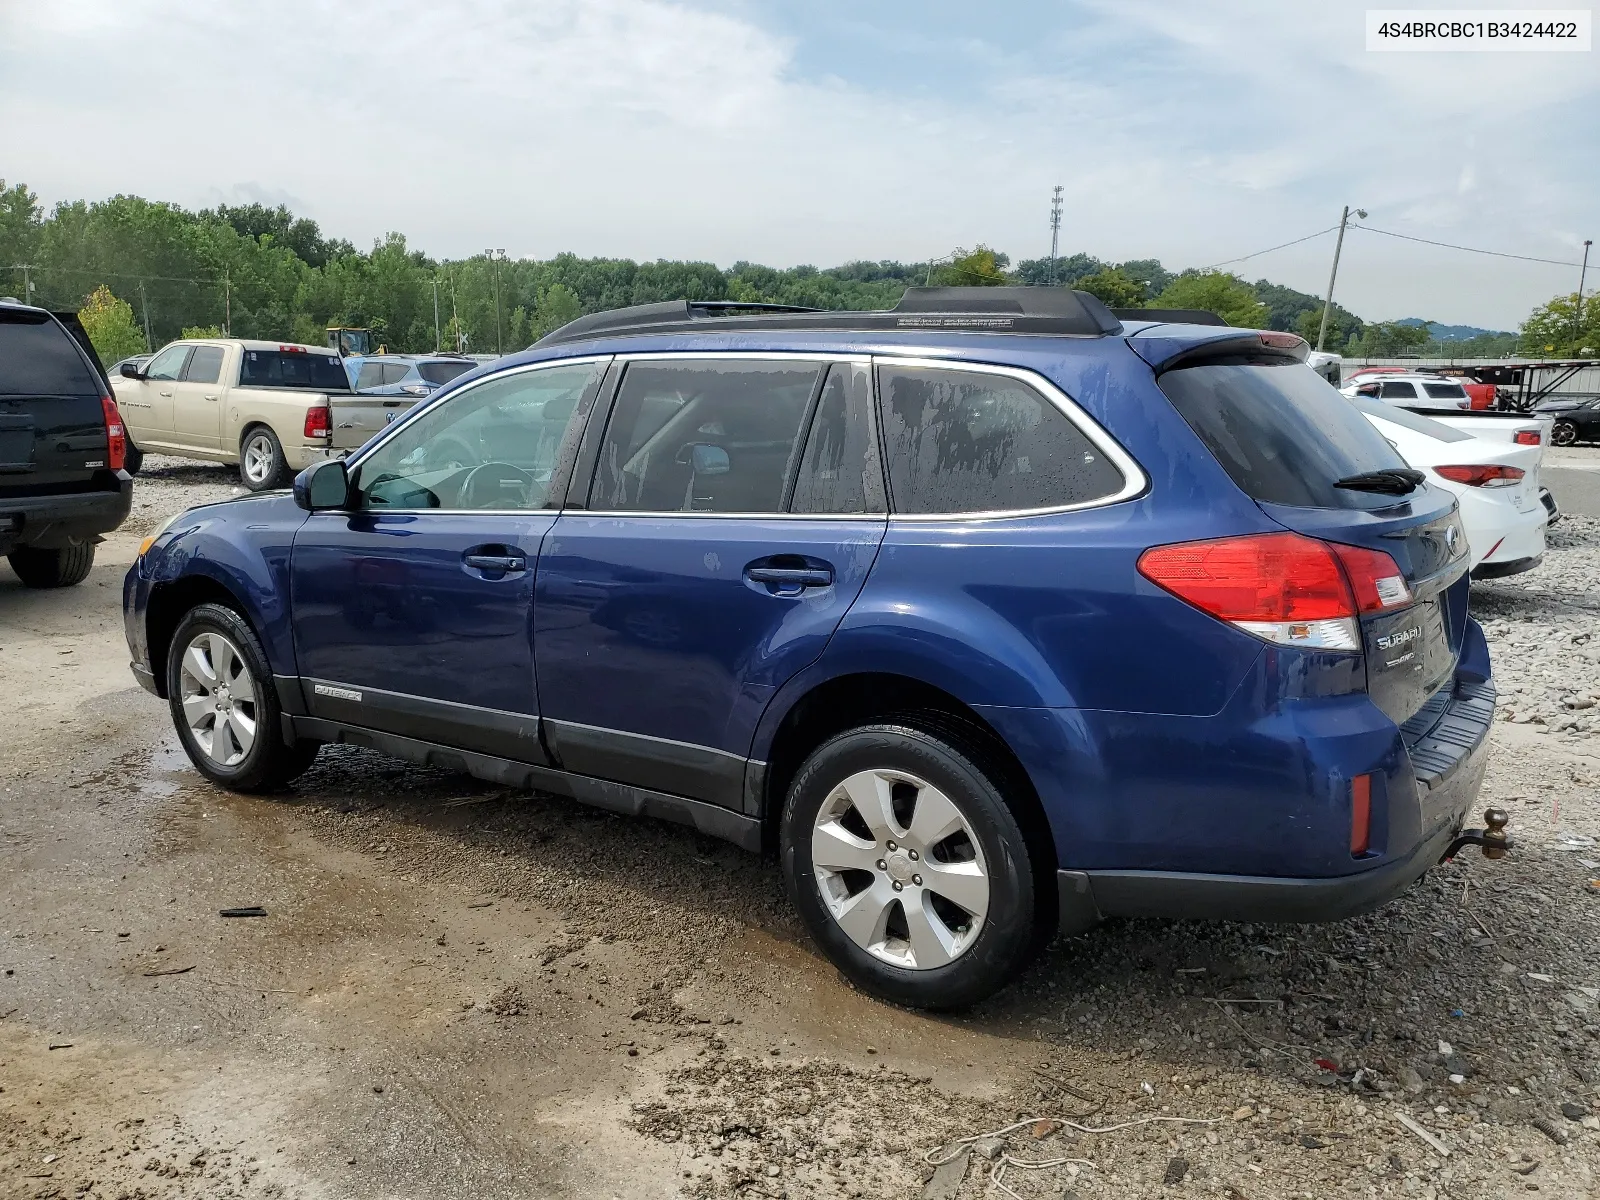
x=1289, y=440
x=52, y=422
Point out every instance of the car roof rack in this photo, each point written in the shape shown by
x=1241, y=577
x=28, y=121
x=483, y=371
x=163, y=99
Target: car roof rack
x=1169, y=316
x=1045, y=311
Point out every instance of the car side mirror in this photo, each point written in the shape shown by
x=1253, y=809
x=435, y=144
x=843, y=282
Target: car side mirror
x=130, y=371
x=705, y=459
x=323, y=485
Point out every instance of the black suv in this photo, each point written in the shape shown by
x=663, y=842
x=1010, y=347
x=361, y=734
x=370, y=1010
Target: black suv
x=63, y=450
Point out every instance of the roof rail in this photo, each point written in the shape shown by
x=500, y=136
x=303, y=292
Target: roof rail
x=1044, y=311
x=1176, y=316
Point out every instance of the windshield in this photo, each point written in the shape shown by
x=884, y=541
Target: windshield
x=1438, y=431
x=293, y=369
x=444, y=372
x=1281, y=431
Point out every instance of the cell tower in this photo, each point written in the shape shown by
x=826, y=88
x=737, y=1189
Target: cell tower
x=1055, y=231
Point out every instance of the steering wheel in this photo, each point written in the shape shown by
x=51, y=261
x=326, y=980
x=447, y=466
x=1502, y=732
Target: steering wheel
x=491, y=484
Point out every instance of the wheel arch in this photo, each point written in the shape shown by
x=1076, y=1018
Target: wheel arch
x=821, y=708
x=169, y=601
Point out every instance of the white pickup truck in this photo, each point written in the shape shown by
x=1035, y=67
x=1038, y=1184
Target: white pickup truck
x=263, y=405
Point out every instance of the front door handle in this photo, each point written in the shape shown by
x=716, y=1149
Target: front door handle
x=210, y=397
x=495, y=562
x=166, y=393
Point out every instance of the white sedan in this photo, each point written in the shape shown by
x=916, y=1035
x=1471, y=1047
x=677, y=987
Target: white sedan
x=1497, y=484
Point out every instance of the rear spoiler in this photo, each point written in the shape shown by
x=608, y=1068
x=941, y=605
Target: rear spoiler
x=1169, y=316
x=1253, y=345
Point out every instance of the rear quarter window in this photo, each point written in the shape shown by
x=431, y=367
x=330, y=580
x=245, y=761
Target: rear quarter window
x=1282, y=433
x=39, y=358
x=974, y=442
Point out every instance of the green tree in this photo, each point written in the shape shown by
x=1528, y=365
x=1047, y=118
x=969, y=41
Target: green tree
x=1114, y=287
x=978, y=267
x=20, y=222
x=557, y=305
x=110, y=325
x=1309, y=324
x=201, y=331
x=1389, y=339
x=1220, y=292
x=1556, y=328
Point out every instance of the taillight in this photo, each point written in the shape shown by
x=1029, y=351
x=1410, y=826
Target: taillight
x=1279, y=340
x=318, y=423
x=116, y=435
x=1360, y=815
x=1490, y=475
x=1283, y=587
x=1527, y=437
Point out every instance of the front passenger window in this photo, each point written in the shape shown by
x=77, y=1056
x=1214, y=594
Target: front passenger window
x=492, y=446
x=168, y=365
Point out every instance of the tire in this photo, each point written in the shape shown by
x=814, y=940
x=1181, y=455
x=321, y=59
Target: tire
x=133, y=459
x=1564, y=433
x=976, y=947
x=261, y=462
x=52, y=568
x=234, y=742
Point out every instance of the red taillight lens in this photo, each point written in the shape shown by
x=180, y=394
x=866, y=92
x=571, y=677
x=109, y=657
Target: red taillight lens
x=1283, y=341
x=1485, y=475
x=1374, y=577
x=318, y=422
x=1360, y=814
x=1527, y=437
x=116, y=435
x=1265, y=577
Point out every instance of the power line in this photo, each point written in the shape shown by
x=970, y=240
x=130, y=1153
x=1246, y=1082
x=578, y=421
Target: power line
x=109, y=274
x=1555, y=262
x=1270, y=249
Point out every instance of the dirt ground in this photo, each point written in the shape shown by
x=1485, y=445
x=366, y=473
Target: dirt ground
x=463, y=992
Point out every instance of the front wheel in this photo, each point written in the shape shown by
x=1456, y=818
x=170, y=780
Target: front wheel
x=1564, y=433
x=909, y=868
x=224, y=705
x=261, y=461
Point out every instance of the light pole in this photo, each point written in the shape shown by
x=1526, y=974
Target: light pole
x=1327, y=304
x=1577, y=310
x=497, y=257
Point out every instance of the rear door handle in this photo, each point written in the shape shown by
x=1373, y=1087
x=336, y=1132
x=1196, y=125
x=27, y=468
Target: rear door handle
x=496, y=562
x=210, y=397
x=166, y=393
x=789, y=581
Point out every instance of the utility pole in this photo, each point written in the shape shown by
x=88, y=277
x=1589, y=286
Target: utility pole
x=27, y=285
x=438, y=335
x=1327, y=304
x=1055, y=231
x=497, y=257
x=144, y=310
x=1577, y=309
x=227, y=305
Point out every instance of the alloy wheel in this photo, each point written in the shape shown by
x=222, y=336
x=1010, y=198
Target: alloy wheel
x=900, y=870
x=260, y=460
x=1564, y=433
x=219, y=698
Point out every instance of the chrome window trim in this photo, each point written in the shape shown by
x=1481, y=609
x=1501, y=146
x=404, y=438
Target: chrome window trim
x=426, y=404
x=1135, y=481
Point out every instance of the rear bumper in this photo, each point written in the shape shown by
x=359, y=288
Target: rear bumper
x=51, y=522
x=1448, y=764
x=1498, y=570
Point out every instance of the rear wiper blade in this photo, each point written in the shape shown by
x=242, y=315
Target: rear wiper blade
x=1391, y=481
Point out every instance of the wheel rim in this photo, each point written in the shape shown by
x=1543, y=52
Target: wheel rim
x=219, y=698
x=1564, y=434
x=258, y=459
x=900, y=870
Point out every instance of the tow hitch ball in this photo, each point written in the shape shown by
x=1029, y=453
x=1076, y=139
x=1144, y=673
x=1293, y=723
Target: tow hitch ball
x=1493, y=838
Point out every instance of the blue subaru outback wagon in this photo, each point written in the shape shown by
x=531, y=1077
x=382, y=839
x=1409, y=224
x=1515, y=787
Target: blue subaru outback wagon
x=992, y=615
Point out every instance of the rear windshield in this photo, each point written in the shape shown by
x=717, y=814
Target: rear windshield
x=1438, y=431
x=444, y=372
x=293, y=369
x=1444, y=391
x=39, y=358
x=1281, y=432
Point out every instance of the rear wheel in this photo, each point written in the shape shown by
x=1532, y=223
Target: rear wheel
x=52, y=568
x=1564, y=433
x=224, y=705
x=133, y=459
x=908, y=867
x=261, y=461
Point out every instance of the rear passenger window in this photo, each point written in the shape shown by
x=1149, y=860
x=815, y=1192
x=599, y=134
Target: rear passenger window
x=370, y=376
x=395, y=372
x=972, y=442
x=708, y=436
x=1444, y=391
x=839, y=471
x=205, y=365
x=1398, y=390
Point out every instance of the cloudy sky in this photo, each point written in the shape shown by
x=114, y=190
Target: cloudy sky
x=828, y=130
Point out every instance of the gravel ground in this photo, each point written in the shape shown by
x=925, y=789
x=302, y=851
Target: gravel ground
x=165, y=486
x=470, y=993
